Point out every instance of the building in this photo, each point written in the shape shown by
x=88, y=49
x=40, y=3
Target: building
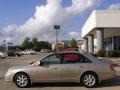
x=59, y=45
x=9, y=47
x=80, y=44
x=67, y=43
x=102, y=31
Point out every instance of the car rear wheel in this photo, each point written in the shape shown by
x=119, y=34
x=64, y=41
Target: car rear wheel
x=22, y=80
x=90, y=80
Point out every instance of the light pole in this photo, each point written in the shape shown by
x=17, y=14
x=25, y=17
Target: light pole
x=57, y=27
x=5, y=45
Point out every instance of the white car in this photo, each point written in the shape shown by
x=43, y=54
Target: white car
x=44, y=51
x=27, y=52
x=76, y=67
x=3, y=54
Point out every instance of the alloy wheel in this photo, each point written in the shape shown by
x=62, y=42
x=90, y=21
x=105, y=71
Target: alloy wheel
x=90, y=80
x=22, y=80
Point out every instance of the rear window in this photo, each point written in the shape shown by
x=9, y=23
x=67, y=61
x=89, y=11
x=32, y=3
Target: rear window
x=84, y=59
x=71, y=58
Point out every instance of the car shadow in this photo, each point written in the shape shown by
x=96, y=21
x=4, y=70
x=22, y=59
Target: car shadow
x=55, y=85
x=8, y=58
x=1, y=78
x=107, y=83
x=111, y=83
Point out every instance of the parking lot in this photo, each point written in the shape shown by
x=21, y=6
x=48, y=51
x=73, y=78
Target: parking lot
x=26, y=59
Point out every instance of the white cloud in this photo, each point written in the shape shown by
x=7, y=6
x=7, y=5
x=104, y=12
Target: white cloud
x=114, y=6
x=75, y=35
x=45, y=16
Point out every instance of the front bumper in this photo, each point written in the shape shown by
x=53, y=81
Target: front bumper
x=9, y=76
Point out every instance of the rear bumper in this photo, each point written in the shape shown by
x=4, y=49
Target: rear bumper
x=108, y=75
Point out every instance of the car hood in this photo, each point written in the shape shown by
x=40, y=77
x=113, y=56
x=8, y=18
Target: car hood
x=19, y=67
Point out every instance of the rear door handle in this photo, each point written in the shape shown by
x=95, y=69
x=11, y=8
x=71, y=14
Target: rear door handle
x=81, y=66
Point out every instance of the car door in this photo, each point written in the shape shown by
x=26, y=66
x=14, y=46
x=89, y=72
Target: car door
x=48, y=70
x=71, y=67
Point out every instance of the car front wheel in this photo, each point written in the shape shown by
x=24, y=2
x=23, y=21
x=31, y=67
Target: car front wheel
x=90, y=80
x=22, y=80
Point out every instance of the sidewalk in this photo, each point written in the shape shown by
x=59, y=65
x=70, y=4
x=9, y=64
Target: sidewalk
x=114, y=60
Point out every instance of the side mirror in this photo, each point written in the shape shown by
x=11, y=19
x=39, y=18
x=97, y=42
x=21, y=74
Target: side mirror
x=41, y=63
x=36, y=63
x=44, y=63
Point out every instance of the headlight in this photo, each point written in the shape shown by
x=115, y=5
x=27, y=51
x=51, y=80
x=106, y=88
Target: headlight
x=9, y=70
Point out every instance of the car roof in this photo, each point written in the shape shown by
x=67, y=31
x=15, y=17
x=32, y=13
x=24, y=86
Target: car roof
x=92, y=58
x=63, y=52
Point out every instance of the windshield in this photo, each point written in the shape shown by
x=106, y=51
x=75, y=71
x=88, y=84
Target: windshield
x=41, y=58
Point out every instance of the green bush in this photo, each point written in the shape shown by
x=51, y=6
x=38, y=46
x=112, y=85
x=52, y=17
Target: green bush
x=101, y=53
x=113, y=53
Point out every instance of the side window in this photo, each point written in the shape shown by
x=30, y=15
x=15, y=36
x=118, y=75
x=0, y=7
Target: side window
x=52, y=59
x=71, y=58
x=84, y=59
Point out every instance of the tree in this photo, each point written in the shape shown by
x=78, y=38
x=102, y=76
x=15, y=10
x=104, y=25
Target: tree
x=26, y=43
x=34, y=40
x=37, y=47
x=35, y=44
x=66, y=45
x=73, y=43
x=45, y=45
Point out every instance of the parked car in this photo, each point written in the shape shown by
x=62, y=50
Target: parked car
x=76, y=67
x=3, y=54
x=28, y=52
x=11, y=54
x=45, y=51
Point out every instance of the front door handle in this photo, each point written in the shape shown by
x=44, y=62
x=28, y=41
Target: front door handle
x=56, y=68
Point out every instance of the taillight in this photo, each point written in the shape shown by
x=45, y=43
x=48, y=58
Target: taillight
x=112, y=67
x=116, y=65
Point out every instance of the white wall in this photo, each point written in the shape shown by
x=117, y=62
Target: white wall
x=108, y=18
x=89, y=24
x=102, y=19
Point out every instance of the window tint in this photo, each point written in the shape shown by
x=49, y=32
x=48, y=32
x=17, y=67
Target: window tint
x=71, y=58
x=84, y=59
x=52, y=59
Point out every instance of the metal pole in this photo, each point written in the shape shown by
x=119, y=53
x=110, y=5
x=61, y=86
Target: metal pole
x=57, y=27
x=112, y=43
x=117, y=43
x=7, y=47
x=56, y=37
x=107, y=47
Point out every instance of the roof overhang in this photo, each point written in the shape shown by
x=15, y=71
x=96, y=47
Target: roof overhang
x=107, y=19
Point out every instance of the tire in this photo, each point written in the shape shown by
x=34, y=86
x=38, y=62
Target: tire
x=22, y=80
x=90, y=80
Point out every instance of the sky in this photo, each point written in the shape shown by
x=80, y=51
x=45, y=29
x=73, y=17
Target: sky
x=35, y=18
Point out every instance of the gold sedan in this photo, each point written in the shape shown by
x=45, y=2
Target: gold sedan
x=79, y=67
